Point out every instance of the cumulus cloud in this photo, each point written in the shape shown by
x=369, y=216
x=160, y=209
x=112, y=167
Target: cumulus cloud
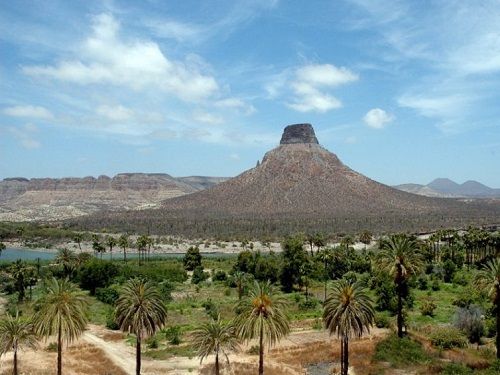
x=310, y=84
x=235, y=103
x=29, y=111
x=107, y=58
x=377, y=118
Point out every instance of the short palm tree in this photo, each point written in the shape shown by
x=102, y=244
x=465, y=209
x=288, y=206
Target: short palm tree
x=215, y=337
x=78, y=238
x=489, y=279
x=399, y=256
x=67, y=259
x=262, y=315
x=140, y=310
x=348, y=312
x=62, y=311
x=15, y=334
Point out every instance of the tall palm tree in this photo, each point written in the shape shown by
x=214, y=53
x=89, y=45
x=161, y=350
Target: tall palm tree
x=240, y=278
x=67, y=259
x=215, y=337
x=111, y=242
x=78, y=238
x=123, y=242
x=2, y=248
x=399, y=256
x=326, y=255
x=63, y=312
x=15, y=334
x=19, y=271
x=140, y=310
x=262, y=315
x=489, y=279
x=348, y=312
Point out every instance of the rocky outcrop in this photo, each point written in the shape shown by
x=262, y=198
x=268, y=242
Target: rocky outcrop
x=298, y=133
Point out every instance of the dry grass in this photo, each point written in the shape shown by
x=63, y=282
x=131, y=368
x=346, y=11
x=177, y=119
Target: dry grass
x=80, y=359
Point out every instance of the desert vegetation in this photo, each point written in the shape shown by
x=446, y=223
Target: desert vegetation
x=267, y=312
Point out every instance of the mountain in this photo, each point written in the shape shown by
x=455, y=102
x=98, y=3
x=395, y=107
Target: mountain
x=298, y=185
x=444, y=187
x=23, y=199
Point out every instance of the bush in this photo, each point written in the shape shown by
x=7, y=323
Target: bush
x=211, y=309
x=107, y=295
x=400, y=352
x=165, y=288
x=111, y=320
x=310, y=304
x=152, y=342
x=173, y=335
x=192, y=259
x=448, y=338
x=219, y=276
x=422, y=282
x=428, y=306
x=199, y=275
x=449, y=269
x=456, y=369
x=435, y=285
x=382, y=320
x=470, y=321
x=96, y=274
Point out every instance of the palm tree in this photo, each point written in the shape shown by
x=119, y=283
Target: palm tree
x=16, y=334
x=366, y=238
x=19, y=271
x=326, y=256
x=348, y=312
x=399, y=256
x=2, y=248
x=140, y=310
x=111, y=242
x=489, y=279
x=262, y=315
x=215, y=337
x=142, y=243
x=78, y=238
x=63, y=312
x=240, y=279
x=123, y=242
x=67, y=259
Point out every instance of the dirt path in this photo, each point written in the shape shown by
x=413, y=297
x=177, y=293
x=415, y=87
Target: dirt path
x=120, y=358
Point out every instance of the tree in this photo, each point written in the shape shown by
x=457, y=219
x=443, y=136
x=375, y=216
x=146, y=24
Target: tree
x=111, y=242
x=78, y=238
x=97, y=246
x=140, y=310
x=262, y=315
x=293, y=256
x=142, y=244
x=489, y=279
x=63, y=312
x=67, y=259
x=215, y=337
x=123, y=242
x=326, y=256
x=19, y=270
x=2, y=248
x=192, y=259
x=15, y=334
x=366, y=238
x=239, y=279
x=348, y=312
x=399, y=257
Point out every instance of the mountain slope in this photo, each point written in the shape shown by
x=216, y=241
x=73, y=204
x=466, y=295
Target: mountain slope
x=443, y=187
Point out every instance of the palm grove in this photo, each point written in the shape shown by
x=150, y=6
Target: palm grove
x=355, y=290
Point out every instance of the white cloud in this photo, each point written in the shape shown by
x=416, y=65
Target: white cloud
x=106, y=58
x=235, y=103
x=29, y=111
x=309, y=85
x=208, y=118
x=377, y=118
x=26, y=136
x=234, y=157
x=115, y=113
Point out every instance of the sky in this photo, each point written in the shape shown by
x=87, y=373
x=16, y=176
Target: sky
x=401, y=91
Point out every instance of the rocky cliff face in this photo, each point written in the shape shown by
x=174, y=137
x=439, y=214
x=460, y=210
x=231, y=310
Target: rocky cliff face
x=298, y=133
x=60, y=198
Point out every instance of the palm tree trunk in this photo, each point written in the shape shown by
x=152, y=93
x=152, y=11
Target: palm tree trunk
x=59, y=350
x=138, y=356
x=341, y=356
x=261, y=350
x=326, y=280
x=124, y=255
x=400, y=312
x=346, y=355
x=217, y=363
x=498, y=322
x=15, y=360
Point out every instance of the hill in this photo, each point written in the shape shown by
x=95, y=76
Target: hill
x=299, y=186
x=444, y=187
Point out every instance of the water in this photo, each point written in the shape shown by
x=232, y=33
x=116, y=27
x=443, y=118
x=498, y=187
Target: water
x=10, y=255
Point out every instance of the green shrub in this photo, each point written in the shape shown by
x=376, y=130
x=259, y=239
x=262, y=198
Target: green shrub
x=211, y=308
x=219, y=276
x=52, y=347
x=152, y=342
x=422, y=282
x=448, y=338
x=107, y=295
x=199, y=275
x=317, y=324
x=192, y=259
x=310, y=304
x=456, y=369
x=382, y=320
x=173, y=335
x=254, y=350
x=428, y=306
x=400, y=351
x=435, y=285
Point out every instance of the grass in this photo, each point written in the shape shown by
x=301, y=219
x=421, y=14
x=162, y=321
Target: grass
x=401, y=352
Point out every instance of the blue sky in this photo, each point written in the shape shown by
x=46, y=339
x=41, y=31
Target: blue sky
x=401, y=91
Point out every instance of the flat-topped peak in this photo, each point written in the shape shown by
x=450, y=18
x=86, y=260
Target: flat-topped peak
x=298, y=133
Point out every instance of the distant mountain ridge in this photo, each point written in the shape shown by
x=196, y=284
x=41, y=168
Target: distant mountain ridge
x=60, y=198
x=446, y=188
